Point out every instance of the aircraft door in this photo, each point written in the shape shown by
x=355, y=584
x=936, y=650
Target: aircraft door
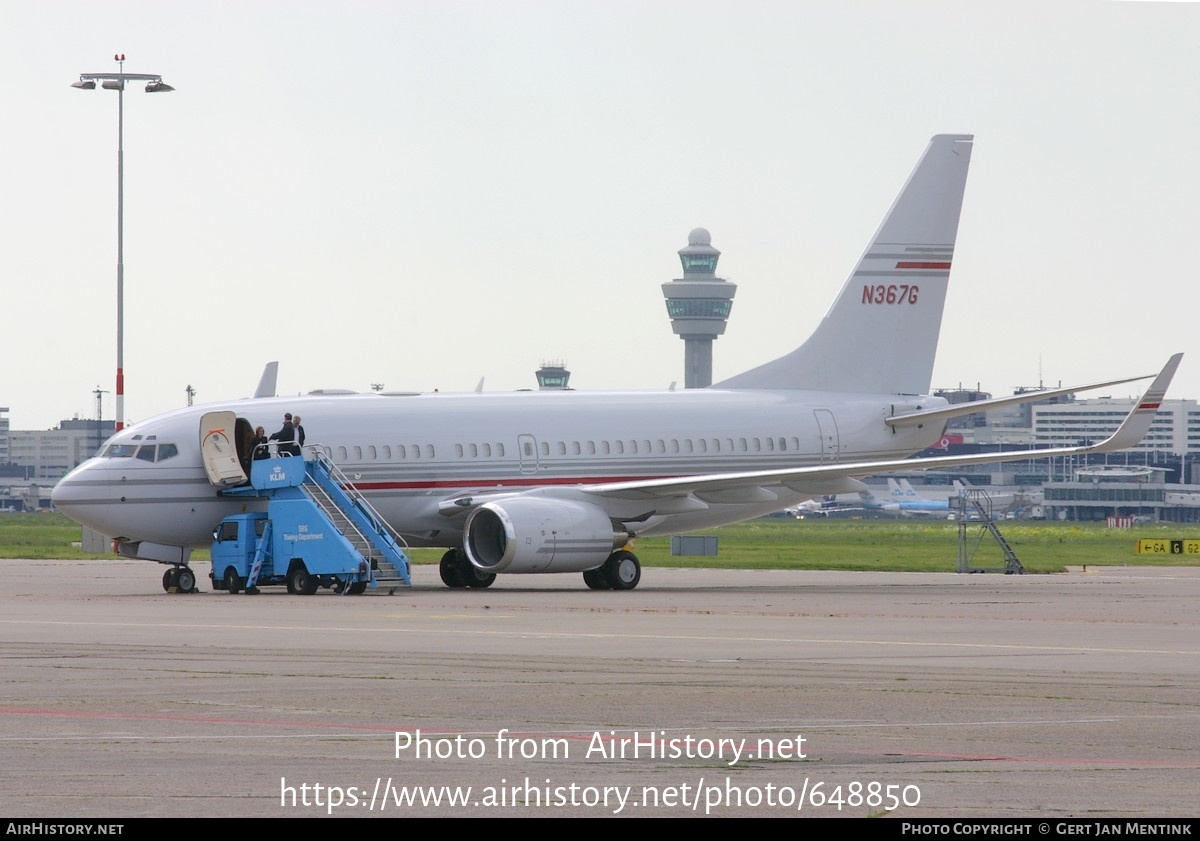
x=527, y=446
x=831, y=446
x=218, y=449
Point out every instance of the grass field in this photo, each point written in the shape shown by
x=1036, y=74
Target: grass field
x=776, y=543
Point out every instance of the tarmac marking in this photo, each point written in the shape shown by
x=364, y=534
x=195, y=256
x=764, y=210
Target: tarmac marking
x=988, y=646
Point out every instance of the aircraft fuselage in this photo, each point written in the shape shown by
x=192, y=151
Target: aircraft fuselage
x=409, y=453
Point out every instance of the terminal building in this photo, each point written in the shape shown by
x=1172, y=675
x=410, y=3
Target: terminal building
x=33, y=461
x=1129, y=495
x=1132, y=483
x=1175, y=431
x=49, y=454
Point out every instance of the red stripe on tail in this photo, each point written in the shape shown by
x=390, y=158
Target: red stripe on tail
x=906, y=264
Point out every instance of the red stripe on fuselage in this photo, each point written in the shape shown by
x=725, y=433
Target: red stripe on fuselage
x=917, y=265
x=1149, y=405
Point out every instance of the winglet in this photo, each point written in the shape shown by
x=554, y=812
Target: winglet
x=1137, y=423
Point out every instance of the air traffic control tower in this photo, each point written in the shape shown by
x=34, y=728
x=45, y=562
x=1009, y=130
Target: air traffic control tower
x=699, y=305
x=553, y=376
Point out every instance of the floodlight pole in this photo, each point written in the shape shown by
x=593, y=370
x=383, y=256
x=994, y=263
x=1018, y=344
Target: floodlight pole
x=116, y=81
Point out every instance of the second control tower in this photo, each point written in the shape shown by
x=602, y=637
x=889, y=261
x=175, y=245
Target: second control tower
x=699, y=305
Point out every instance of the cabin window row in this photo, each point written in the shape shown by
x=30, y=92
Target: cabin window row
x=386, y=452
x=672, y=446
x=620, y=447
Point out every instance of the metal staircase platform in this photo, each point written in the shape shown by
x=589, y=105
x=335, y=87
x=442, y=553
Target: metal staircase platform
x=975, y=503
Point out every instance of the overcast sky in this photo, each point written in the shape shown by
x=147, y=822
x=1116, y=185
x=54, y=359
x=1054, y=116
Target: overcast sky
x=421, y=194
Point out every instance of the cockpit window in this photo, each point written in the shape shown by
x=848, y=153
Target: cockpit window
x=146, y=452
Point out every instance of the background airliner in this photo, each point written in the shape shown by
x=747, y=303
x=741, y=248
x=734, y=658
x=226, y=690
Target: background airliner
x=901, y=498
x=906, y=499
x=541, y=482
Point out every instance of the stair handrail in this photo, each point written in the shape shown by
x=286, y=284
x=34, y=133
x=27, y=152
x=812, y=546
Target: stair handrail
x=321, y=455
x=327, y=504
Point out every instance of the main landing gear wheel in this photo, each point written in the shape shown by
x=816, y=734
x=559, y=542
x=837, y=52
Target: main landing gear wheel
x=233, y=581
x=473, y=575
x=623, y=570
x=449, y=570
x=595, y=579
x=480, y=580
x=186, y=580
x=169, y=579
x=458, y=572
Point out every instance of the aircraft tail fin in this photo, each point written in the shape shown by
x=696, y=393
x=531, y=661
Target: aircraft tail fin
x=881, y=333
x=266, y=383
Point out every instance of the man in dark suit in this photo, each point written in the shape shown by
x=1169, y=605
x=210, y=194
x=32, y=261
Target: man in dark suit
x=299, y=430
x=287, y=437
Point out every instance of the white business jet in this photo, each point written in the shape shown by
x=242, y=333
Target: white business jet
x=544, y=482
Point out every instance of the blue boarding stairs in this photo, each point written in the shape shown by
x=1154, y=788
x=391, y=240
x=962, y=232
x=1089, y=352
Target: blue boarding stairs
x=318, y=531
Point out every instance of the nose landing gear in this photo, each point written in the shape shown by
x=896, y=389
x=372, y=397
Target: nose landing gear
x=179, y=579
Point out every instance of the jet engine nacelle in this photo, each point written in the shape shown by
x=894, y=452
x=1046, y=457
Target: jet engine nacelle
x=535, y=534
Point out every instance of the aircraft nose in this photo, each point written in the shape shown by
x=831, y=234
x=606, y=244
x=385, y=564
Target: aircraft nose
x=68, y=495
x=62, y=495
